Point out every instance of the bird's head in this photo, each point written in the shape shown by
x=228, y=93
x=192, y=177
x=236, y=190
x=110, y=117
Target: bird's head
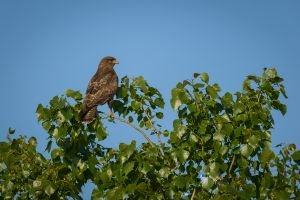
x=108, y=63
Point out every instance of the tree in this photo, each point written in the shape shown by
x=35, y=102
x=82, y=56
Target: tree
x=219, y=147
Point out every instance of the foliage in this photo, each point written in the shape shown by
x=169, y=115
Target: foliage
x=219, y=146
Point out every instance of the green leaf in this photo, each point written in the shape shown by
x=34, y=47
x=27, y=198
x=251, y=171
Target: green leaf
x=238, y=108
x=242, y=117
x=49, y=190
x=227, y=99
x=246, y=150
x=42, y=113
x=253, y=78
x=247, y=85
x=130, y=119
x=105, y=176
x=182, y=155
x=282, y=90
x=270, y=73
x=266, y=156
x=207, y=182
x=74, y=94
x=145, y=167
x=115, y=193
x=37, y=183
x=175, y=103
x=279, y=106
x=96, y=194
x=56, y=133
x=56, y=153
x=181, y=182
x=126, y=151
x=2, y=167
x=122, y=92
x=81, y=165
x=128, y=167
x=179, y=97
x=11, y=130
x=159, y=115
x=296, y=155
x=47, y=125
x=100, y=133
x=204, y=77
x=130, y=188
x=196, y=75
x=49, y=144
x=32, y=141
x=212, y=91
x=223, y=150
x=199, y=85
x=253, y=141
x=180, y=131
x=118, y=106
x=140, y=82
x=282, y=194
x=159, y=102
x=164, y=172
x=147, y=123
x=193, y=138
x=214, y=169
x=227, y=128
x=57, y=103
x=203, y=126
x=67, y=114
x=142, y=187
x=136, y=105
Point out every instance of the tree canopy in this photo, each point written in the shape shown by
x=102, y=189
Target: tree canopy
x=220, y=146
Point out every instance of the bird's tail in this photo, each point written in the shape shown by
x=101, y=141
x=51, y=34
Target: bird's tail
x=87, y=115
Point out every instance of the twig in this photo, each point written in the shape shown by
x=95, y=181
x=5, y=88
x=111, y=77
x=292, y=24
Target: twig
x=132, y=126
x=136, y=128
x=231, y=165
x=157, y=133
x=193, y=195
x=159, y=139
x=154, y=129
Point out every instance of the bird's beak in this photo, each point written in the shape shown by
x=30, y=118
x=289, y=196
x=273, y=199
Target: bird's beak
x=116, y=62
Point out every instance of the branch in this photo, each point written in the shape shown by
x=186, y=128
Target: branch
x=193, y=195
x=155, y=130
x=231, y=165
x=137, y=129
x=157, y=133
x=131, y=125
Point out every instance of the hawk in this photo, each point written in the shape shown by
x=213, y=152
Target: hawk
x=101, y=89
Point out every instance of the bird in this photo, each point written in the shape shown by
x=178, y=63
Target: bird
x=101, y=89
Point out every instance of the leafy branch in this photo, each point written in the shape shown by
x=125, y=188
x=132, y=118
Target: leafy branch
x=129, y=124
x=214, y=136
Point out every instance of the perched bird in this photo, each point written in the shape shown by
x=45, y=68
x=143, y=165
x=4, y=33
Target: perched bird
x=101, y=89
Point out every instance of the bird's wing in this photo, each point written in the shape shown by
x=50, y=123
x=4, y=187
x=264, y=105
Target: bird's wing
x=99, y=91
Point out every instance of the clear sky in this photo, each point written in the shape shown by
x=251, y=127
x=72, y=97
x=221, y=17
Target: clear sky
x=47, y=47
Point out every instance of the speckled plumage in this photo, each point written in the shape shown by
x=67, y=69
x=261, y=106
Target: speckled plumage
x=101, y=89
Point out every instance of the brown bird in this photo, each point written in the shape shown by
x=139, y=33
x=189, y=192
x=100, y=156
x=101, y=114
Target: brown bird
x=101, y=89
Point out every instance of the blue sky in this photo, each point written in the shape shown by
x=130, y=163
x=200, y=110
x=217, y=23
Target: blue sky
x=47, y=47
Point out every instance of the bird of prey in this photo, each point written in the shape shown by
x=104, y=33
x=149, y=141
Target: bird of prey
x=101, y=89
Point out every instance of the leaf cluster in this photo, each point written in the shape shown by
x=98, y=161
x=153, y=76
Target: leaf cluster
x=218, y=148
